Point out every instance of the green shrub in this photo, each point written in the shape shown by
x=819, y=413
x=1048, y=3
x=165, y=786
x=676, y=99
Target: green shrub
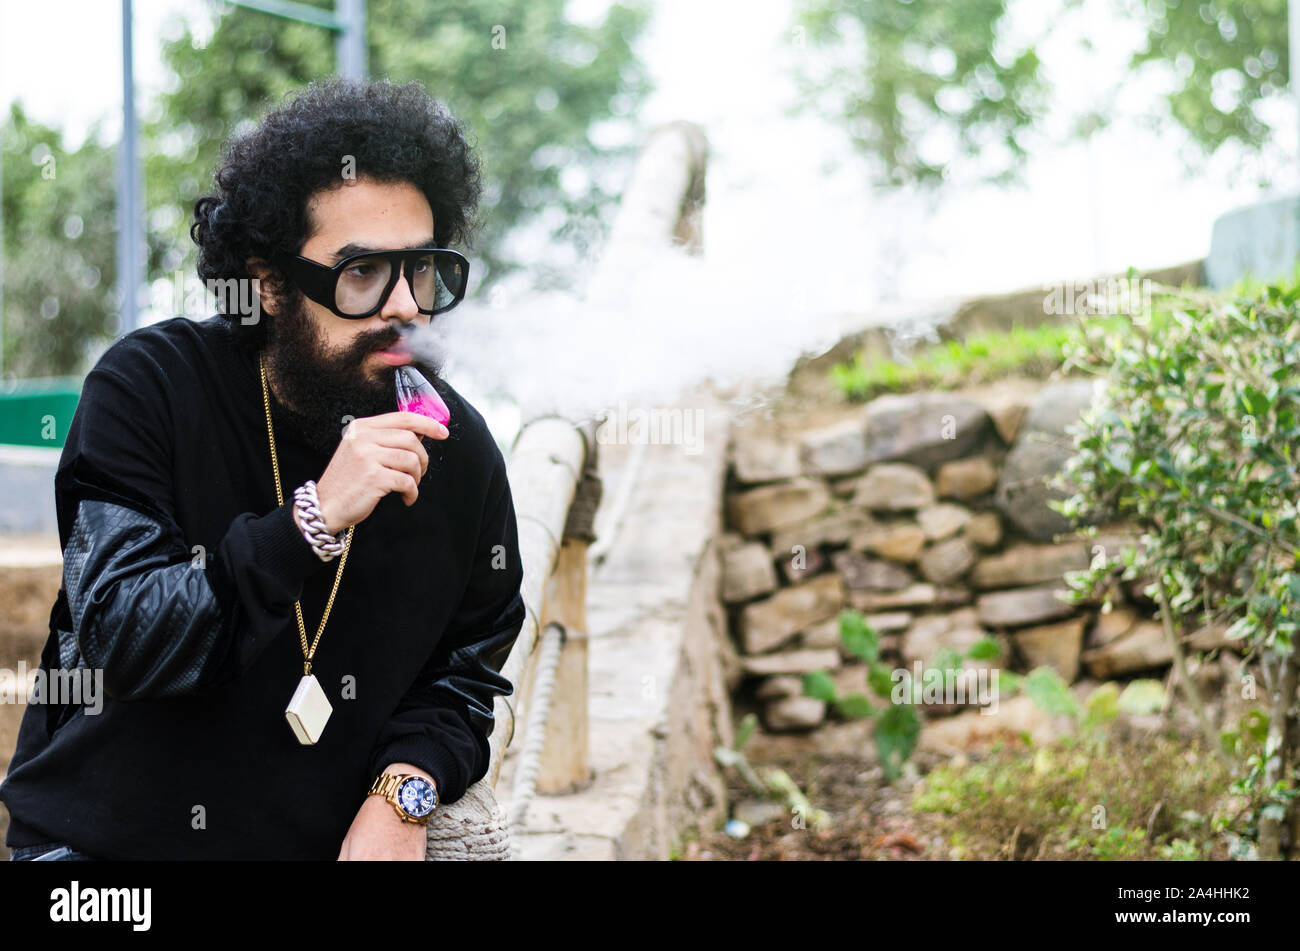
x=1194, y=443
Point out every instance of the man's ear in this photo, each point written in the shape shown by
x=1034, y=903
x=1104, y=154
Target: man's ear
x=268, y=282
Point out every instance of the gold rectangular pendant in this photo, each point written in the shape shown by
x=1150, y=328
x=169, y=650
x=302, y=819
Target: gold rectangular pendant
x=308, y=710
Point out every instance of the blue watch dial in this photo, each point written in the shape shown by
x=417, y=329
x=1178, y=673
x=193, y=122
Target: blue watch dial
x=417, y=797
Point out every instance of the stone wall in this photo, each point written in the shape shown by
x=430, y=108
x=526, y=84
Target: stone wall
x=928, y=513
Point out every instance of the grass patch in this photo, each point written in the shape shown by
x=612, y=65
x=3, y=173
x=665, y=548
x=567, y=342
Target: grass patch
x=1035, y=352
x=1157, y=798
x=979, y=358
x=989, y=355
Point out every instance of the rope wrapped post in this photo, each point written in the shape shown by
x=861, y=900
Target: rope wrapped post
x=530, y=759
x=471, y=829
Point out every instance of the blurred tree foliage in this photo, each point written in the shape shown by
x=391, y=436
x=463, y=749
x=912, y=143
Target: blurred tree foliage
x=528, y=83
x=904, y=74
x=904, y=71
x=531, y=86
x=1228, y=57
x=59, y=238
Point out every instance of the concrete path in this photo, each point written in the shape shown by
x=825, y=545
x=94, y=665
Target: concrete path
x=658, y=703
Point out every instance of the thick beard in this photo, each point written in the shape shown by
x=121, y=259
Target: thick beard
x=318, y=390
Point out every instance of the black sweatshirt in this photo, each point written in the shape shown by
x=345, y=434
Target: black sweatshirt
x=179, y=581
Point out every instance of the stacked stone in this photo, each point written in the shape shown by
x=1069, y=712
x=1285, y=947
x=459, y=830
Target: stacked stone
x=928, y=513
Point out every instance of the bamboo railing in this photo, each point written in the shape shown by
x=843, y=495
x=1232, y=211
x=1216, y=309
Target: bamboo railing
x=552, y=473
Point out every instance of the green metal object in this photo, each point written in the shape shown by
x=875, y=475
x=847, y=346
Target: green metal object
x=37, y=412
x=295, y=11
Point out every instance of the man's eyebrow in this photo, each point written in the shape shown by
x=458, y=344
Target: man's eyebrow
x=352, y=248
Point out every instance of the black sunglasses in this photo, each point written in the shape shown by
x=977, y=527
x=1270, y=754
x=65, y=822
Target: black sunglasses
x=360, y=284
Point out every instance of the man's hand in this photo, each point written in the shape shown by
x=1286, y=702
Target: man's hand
x=377, y=455
x=378, y=833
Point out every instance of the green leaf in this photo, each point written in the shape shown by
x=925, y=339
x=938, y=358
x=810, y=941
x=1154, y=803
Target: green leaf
x=986, y=648
x=1293, y=586
x=726, y=756
x=1009, y=683
x=1230, y=741
x=1142, y=697
x=1254, y=402
x=1102, y=705
x=745, y=730
x=858, y=637
x=818, y=684
x=1243, y=626
x=881, y=681
x=897, y=729
x=1120, y=458
x=1255, y=724
x=1049, y=692
x=855, y=706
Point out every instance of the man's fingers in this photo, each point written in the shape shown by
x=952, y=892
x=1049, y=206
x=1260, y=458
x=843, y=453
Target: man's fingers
x=406, y=484
x=403, y=419
x=403, y=460
x=403, y=439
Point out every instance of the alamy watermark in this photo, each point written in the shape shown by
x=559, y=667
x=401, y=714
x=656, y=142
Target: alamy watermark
x=187, y=296
x=78, y=686
x=1128, y=296
x=669, y=426
x=946, y=685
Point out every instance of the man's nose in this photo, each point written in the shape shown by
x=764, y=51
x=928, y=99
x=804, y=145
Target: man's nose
x=401, y=302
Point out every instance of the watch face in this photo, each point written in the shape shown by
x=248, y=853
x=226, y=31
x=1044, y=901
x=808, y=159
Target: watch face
x=417, y=797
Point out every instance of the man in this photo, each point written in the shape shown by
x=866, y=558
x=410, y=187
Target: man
x=232, y=726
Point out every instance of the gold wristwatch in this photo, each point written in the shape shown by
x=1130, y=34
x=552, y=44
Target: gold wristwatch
x=413, y=797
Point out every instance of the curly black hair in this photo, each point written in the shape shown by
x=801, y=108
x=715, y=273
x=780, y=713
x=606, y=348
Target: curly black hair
x=394, y=132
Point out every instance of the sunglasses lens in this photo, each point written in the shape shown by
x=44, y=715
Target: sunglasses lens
x=448, y=283
x=438, y=282
x=361, y=285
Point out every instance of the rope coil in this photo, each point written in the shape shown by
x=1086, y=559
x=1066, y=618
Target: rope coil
x=530, y=758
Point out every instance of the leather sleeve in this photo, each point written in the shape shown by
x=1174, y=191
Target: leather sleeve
x=443, y=722
x=160, y=618
x=152, y=624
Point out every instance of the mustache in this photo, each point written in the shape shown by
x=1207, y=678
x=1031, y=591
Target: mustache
x=371, y=342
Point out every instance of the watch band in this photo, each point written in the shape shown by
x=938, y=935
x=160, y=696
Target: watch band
x=387, y=784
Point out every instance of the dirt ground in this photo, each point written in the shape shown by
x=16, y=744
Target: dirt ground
x=26, y=596
x=869, y=820
x=1161, y=775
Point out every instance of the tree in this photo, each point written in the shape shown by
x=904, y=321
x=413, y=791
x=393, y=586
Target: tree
x=904, y=74
x=59, y=245
x=530, y=85
x=1229, y=57
x=923, y=86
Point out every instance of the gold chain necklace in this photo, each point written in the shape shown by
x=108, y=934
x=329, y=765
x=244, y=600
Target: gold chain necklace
x=309, y=708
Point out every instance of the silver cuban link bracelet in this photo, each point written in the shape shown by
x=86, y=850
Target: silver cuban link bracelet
x=307, y=505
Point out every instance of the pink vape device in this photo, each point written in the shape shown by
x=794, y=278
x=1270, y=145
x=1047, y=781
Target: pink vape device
x=415, y=394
